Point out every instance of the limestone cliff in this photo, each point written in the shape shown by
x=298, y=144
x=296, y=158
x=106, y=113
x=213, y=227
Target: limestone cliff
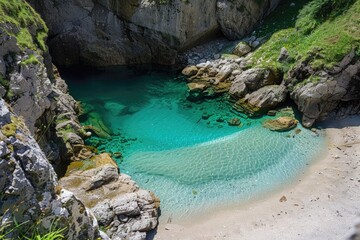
x=28, y=186
x=39, y=129
x=113, y=32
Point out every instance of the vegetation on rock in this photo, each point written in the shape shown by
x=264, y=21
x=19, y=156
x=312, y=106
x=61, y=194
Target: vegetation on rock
x=324, y=32
x=22, y=22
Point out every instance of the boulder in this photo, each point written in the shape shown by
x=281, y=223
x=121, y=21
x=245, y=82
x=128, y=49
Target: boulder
x=284, y=55
x=241, y=49
x=117, y=202
x=281, y=124
x=196, y=87
x=255, y=78
x=190, y=71
x=238, y=89
x=262, y=100
x=234, y=122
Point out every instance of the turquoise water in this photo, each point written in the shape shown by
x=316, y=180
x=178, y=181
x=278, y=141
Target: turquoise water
x=192, y=164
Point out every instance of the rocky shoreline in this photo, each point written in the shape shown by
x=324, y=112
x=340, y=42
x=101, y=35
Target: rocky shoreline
x=41, y=138
x=257, y=90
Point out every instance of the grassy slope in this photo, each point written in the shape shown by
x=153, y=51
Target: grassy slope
x=326, y=30
x=21, y=17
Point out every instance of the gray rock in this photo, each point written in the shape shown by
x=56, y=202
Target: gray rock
x=262, y=100
x=238, y=17
x=4, y=113
x=256, y=78
x=238, y=89
x=241, y=49
x=27, y=179
x=284, y=55
x=317, y=99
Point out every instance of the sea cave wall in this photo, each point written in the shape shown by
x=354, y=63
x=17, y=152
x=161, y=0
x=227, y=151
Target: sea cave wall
x=114, y=32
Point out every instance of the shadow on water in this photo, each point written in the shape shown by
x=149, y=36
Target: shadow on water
x=117, y=83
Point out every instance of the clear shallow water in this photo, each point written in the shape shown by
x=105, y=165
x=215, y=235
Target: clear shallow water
x=192, y=164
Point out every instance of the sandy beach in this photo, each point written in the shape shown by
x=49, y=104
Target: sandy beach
x=324, y=202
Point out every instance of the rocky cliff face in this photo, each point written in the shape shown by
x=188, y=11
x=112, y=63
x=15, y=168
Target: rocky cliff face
x=39, y=125
x=28, y=186
x=113, y=32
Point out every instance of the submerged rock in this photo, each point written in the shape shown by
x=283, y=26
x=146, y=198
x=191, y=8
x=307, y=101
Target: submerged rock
x=115, y=108
x=281, y=124
x=234, y=122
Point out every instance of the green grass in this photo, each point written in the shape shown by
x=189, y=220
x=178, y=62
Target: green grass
x=16, y=17
x=325, y=31
x=32, y=59
x=20, y=231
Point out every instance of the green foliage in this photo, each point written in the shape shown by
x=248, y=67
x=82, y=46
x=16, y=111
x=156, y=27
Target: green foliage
x=19, y=17
x=29, y=233
x=319, y=38
x=32, y=59
x=3, y=81
x=319, y=11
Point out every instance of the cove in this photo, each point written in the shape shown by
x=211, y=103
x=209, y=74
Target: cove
x=186, y=153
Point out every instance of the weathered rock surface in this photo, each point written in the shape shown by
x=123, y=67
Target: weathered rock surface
x=36, y=92
x=281, y=124
x=337, y=90
x=255, y=78
x=241, y=49
x=122, y=32
x=117, y=202
x=262, y=100
x=236, y=17
x=28, y=185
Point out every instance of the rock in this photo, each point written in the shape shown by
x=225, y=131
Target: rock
x=283, y=199
x=115, y=108
x=255, y=78
x=196, y=87
x=29, y=188
x=280, y=124
x=117, y=202
x=238, y=89
x=190, y=71
x=271, y=113
x=4, y=113
x=234, y=122
x=262, y=100
x=220, y=120
x=241, y=49
x=284, y=55
x=224, y=73
x=105, y=33
x=237, y=18
x=206, y=116
x=321, y=93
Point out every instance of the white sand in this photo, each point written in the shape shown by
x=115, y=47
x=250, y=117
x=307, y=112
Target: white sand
x=323, y=204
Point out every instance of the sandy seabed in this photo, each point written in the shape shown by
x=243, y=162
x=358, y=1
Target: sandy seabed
x=323, y=204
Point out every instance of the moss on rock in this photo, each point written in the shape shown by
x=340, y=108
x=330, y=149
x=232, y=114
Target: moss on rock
x=320, y=37
x=19, y=19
